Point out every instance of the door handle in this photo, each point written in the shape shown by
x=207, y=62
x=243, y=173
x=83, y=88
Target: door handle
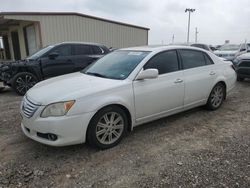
x=212, y=73
x=178, y=81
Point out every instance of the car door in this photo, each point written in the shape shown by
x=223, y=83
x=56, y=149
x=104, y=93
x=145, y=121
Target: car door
x=163, y=95
x=82, y=56
x=58, y=64
x=199, y=74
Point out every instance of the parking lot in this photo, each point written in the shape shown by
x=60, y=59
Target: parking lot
x=197, y=148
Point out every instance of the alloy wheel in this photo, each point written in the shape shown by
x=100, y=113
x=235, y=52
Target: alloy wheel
x=217, y=96
x=25, y=82
x=109, y=128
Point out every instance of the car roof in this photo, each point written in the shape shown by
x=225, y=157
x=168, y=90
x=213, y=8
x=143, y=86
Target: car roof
x=86, y=43
x=153, y=48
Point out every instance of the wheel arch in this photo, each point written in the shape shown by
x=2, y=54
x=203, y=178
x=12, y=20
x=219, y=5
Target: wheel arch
x=121, y=106
x=224, y=84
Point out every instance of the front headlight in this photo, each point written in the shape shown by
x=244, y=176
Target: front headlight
x=57, y=109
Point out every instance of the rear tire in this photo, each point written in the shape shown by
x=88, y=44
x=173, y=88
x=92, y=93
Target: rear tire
x=23, y=81
x=107, y=127
x=216, y=97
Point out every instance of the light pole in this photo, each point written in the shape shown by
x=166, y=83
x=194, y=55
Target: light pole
x=189, y=10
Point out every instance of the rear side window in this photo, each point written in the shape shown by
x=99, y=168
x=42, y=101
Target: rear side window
x=80, y=49
x=192, y=59
x=165, y=62
x=64, y=50
x=208, y=60
x=97, y=50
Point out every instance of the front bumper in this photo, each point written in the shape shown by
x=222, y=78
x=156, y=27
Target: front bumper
x=68, y=129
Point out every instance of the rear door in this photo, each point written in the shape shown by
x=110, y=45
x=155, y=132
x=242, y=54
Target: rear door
x=199, y=74
x=62, y=64
x=160, y=96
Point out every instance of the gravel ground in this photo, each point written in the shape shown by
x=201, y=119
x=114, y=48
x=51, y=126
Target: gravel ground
x=197, y=148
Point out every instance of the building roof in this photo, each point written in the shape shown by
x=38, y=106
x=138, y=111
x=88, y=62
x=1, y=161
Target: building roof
x=69, y=14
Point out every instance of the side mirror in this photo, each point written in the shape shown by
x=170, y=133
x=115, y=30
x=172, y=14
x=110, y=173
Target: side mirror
x=148, y=74
x=242, y=49
x=53, y=55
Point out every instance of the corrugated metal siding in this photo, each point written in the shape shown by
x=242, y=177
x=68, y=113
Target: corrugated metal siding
x=76, y=28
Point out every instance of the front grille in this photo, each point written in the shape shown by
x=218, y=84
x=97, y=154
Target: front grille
x=28, y=107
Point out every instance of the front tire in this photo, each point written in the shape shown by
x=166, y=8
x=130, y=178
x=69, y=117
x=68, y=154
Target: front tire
x=216, y=97
x=23, y=81
x=107, y=127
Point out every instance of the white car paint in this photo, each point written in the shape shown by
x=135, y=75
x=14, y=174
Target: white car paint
x=146, y=100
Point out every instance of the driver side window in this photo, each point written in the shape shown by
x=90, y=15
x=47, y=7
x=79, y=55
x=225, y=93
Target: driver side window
x=64, y=50
x=165, y=62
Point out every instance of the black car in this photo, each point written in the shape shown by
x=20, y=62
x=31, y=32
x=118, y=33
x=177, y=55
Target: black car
x=49, y=62
x=242, y=64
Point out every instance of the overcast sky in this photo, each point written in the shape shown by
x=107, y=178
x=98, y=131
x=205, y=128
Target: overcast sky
x=216, y=20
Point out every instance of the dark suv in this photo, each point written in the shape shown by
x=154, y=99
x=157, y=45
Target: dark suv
x=242, y=64
x=48, y=62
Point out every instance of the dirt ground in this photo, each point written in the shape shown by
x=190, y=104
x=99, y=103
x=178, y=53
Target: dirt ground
x=197, y=148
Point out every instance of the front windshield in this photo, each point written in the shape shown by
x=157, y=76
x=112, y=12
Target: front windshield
x=230, y=47
x=116, y=65
x=39, y=53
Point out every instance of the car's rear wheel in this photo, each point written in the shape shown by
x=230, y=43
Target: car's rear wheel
x=23, y=81
x=216, y=97
x=107, y=127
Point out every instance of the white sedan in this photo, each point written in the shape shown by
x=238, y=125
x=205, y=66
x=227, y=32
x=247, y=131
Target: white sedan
x=124, y=89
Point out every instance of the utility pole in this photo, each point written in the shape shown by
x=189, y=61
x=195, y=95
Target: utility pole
x=173, y=39
x=189, y=10
x=196, y=35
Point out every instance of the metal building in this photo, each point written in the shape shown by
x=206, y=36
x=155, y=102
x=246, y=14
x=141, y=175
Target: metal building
x=23, y=33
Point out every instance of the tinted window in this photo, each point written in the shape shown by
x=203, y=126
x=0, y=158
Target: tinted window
x=208, y=60
x=192, y=58
x=165, y=62
x=64, y=50
x=97, y=50
x=82, y=49
x=245, y=64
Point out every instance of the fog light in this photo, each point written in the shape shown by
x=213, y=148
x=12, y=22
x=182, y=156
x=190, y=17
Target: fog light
x=52, y=137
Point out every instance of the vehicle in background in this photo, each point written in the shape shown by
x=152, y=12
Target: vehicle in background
x=242, y=65
x=231, y=51
x=124, y=89
x=51, y=61
x=213, y=48
x=202, y=46
x=206, y=47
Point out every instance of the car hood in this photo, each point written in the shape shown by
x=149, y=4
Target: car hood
x=244, y=56
x=225, y=52
x=69, y=87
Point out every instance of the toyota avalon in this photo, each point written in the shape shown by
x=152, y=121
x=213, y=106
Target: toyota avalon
x=124, y=89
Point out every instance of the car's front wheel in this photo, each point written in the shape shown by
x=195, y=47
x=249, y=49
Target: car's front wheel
x=107, y=127
x=23, y=81
x=216, y=97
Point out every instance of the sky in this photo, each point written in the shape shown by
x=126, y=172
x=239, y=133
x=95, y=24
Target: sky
x=216, y=20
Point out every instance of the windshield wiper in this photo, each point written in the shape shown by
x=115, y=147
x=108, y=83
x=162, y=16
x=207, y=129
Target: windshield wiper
x=96, y=74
